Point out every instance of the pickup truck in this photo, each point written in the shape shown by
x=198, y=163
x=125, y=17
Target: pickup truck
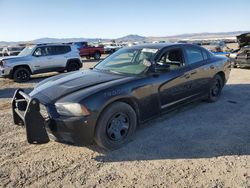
x=89, y=51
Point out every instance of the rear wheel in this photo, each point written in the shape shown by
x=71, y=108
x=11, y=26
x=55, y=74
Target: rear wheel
x=215, y=89
x=21, y=74
x=115, y=126
x=72, y=66
x=97, y=55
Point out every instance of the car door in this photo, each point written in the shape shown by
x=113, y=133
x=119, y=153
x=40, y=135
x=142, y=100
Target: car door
x=42, y=59
x=196, y=59
x=60, y=56
x=175, y=85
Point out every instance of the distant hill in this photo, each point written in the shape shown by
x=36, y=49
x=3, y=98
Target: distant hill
x=131, y=38
x=194, y=35
x=64, y=40
x=201, y=36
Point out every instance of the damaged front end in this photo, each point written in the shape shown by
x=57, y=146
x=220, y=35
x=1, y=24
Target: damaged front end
x=26, y=112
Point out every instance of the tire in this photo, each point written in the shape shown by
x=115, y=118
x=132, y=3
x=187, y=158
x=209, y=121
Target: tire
x=116, y=125
x=72, y=66
x=21, y=74
x=215, y=89
x=97, y=55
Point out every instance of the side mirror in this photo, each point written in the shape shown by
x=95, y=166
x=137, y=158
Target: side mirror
x=158, y=67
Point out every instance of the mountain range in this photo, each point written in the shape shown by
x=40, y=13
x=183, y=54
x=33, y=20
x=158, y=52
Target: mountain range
x=131, y=38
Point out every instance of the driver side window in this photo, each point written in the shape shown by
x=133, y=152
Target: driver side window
x=43, y=51
x=38, y=52
x=173, y=58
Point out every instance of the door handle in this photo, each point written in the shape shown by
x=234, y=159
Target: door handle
x=49, y=58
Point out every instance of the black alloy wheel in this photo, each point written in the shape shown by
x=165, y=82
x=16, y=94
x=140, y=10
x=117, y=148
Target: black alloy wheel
x=21, y=75
x=72, y=67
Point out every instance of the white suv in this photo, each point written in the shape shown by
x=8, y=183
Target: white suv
x=40, y=58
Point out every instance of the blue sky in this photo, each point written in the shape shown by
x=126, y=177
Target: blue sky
x=31, y=19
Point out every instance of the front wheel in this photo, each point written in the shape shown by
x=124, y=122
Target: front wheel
x=115, y=126
x=215, y=89
x=21, y=74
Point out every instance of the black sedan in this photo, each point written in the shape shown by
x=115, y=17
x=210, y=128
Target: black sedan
x=107, y=103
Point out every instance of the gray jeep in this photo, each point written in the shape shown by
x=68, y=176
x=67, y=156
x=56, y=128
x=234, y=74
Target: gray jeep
x=40, y=58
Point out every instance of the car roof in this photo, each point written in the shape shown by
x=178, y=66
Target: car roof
x=53, y=44
x=158, y=45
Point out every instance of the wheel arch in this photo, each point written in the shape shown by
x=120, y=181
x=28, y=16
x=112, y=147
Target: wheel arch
x=97, y=51
x=18, y=66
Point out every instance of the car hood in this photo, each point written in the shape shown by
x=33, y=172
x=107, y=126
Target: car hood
x=59, y=86
x=13, y=58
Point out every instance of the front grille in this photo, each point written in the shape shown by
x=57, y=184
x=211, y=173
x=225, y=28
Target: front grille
x=44, y=111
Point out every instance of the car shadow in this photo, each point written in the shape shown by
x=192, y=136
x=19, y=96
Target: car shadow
x=198, y=130
x=40, y=77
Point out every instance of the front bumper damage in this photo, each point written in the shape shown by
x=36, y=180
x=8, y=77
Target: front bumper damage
x=26, y=112
x=41, y=126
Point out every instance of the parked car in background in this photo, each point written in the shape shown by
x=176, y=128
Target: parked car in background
x=106, y=104
x=14, y=51
x=215, y=46
x=241, y=57
x=88, y=51
x=39, y=59
x=243, y=39
x=111, y=48
x=3, y=51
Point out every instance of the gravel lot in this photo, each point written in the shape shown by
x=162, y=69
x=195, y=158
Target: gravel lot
x=200, y=145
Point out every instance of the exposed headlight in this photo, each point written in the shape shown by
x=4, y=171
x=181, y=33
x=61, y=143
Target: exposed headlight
x=71, y=109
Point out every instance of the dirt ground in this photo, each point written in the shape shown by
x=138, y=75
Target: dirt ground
x=200, y=145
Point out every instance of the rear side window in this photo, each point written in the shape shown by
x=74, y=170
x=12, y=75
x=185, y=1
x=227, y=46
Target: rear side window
x=194, y=55
x=61, y=49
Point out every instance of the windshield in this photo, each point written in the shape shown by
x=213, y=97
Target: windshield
x=128, y=61
x=26, y=51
